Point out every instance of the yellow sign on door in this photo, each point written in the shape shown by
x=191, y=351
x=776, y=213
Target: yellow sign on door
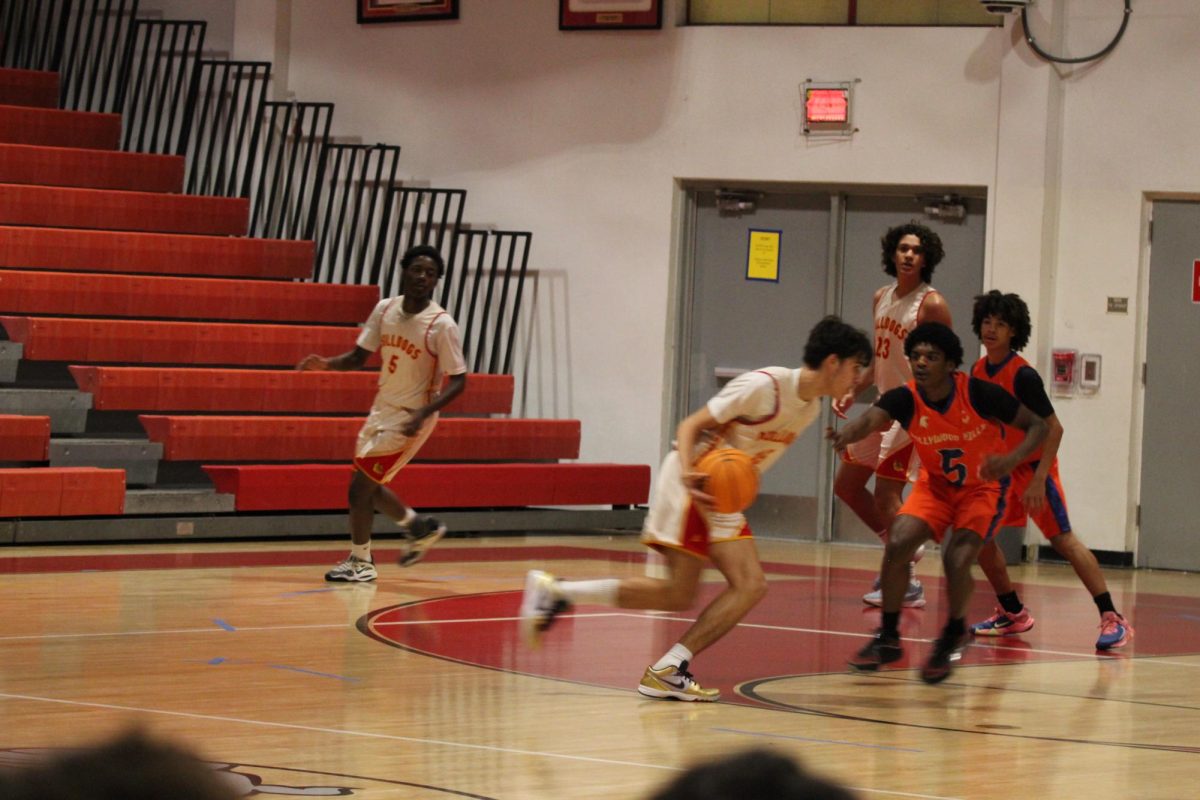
x=762, y=258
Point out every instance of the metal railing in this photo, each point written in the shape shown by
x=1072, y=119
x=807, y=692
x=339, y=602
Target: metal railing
x=222, y=115
x=34, y=34
x=493, y=266
x=358, y=179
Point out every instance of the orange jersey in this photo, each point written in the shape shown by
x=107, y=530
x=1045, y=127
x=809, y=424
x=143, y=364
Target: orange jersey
x=953, y=443
x=1005, y=378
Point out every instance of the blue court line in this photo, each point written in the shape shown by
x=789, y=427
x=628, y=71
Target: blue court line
x=311, y=672
x=818, y=741
x=220, y=623
x=308, y=591
x=217, y=660
x=1188, y=616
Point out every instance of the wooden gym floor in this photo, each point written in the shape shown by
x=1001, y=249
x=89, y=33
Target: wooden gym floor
x=418, y=686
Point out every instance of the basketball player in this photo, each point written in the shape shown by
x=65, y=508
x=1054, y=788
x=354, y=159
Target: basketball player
x=1001, y=321
x=954, y=424
x=418, y=343
x=760, y=413
x=910, y=254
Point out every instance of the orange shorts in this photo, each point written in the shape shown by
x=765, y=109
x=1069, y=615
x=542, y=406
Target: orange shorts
x=943, y=507
x=1052, y=519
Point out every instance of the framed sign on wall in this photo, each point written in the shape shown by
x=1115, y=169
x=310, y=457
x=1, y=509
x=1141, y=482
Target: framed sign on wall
x=579, y=15
x=406, y=10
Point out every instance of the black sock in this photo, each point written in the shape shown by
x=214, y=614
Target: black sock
x=891, y=624
x=1010, y=602
x=954, y=628
x=1104, y=602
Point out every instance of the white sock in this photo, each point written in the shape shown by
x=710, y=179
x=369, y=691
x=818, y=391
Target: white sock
x=601, y=592
x=674, y=657
x=409, y=515
x=361, y=551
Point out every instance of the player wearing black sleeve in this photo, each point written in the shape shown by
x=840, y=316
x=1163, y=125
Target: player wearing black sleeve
x=1001, y=321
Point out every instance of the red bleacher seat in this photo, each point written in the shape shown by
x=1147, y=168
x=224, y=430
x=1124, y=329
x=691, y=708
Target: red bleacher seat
x=222, y=438
x=108, y=209
x=95, y=169
x=27, y=87
x=279, y=391
x=24, y=438
x=61, y=492
x=137, y=341
x=323, y=486
x=154, y=253
x=101, y=295
x=55, y=128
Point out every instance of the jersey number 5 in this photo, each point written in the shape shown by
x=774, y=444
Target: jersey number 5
x=391, y=367
x=955, y=473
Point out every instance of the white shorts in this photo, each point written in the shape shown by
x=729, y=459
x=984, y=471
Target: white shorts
x=889, y=453
x=382, y=449
x=673, y=521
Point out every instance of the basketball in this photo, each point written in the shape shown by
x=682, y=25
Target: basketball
x=732, y=479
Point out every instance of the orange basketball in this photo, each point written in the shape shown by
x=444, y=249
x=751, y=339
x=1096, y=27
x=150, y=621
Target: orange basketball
x=732, y=479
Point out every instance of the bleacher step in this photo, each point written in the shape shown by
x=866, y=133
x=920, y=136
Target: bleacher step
x=66, y=409
x=138, y=457
x=157, y=501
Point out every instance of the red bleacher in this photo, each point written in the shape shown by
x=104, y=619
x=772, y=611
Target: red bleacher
x=27, y=87
x=24, y=438
x=223, y=438
x=108, y=209
x=280, y=391
x=94, y=169
x=324, y=486
x=103, y=295
x=137, y=341
x=154, y=253
x=61, y=492
x=55, y=128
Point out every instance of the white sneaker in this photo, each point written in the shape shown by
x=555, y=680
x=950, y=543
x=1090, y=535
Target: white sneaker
x=914, y=596
x=540, y=604
x=352, y=569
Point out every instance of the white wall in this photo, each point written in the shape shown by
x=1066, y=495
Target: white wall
x=580, y=137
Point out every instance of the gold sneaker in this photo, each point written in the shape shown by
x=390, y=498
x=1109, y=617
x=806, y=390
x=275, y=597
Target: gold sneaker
x=674, y=683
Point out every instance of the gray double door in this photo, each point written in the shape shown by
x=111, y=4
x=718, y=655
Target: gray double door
x=829, y=263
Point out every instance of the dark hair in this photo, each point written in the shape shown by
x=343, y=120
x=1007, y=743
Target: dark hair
x=831, y=336
x=753, y=775
x=426, y=250
x=938, y=335
x=1008, y=307
x=931, y=245
x=131, y=767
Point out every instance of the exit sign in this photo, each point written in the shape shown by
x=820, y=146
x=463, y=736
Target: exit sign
x=827, y=105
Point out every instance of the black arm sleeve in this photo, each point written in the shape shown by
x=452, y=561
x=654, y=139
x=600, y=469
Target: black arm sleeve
x=992, y=401
x=898, y=404
x=1029, y=389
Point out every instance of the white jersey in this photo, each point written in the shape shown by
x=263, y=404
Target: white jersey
x=895, y=317
x=417, y=350
x=761, y=414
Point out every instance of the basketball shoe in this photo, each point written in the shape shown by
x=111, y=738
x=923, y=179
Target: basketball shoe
x=1115, y=631
x=540, y=604
x=914, y=595
x=674, y=683
x=352, y=569
x=1003, y=623
x=882, y=649
x=946, y=650
x=422, y=534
